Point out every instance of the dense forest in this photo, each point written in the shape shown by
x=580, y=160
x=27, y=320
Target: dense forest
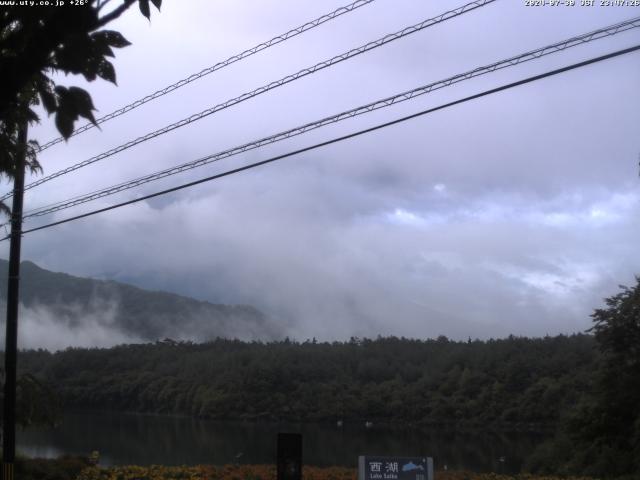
x=514, y=382
x=583, y=387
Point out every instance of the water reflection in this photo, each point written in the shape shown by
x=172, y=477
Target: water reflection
x=147, y=439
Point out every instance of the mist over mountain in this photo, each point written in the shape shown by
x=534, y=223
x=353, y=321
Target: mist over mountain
x=59, y=310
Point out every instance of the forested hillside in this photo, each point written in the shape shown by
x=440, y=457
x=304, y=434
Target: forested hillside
x=75, y=302
x=514, y=382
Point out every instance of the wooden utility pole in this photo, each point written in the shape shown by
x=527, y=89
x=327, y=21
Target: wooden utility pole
x=11, y=339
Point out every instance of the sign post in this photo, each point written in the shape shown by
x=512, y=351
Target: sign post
x=395, y=468
x=289, y=464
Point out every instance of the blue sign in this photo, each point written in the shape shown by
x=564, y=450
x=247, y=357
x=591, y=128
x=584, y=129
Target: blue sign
x=395, y=468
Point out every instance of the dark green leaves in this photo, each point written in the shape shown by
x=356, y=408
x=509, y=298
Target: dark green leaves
x=83, y=102
x=44, y=87
x=106, y=71
x=73, y=102
x=36, y=43
x=104, y=40
x=144, y=7
x=48, y=101
x=64, y=123
x=73, y=56
x=31, y=157
x=112, y=38
x=69, y=103
x=86, y=55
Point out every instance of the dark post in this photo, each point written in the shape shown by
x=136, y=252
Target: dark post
x=289, y=456
x=11, y=339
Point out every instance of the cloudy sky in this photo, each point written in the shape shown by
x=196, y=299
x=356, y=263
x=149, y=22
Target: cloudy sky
x=512, y=214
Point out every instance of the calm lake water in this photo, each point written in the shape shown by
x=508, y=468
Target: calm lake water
x=147, y=439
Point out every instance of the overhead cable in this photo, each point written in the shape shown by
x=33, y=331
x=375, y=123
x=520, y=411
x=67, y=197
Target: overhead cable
x=383, y=103
x=340, y=139
x=218, y=66
x=278, y=83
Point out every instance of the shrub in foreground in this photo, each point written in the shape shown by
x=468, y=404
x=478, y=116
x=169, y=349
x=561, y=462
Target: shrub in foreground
x=268, y=472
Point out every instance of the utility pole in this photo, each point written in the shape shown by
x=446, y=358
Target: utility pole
x=11, y=339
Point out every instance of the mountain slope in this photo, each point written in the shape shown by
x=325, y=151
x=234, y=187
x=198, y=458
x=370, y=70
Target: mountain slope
x=64, y=301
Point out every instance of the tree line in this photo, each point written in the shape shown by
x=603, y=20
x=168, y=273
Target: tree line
x=513, y=382
x=584, y=387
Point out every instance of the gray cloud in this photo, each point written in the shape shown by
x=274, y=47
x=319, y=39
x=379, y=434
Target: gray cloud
x=516, y=213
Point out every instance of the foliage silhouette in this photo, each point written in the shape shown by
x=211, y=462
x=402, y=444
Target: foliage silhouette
x=601, y=437
x=39, y=42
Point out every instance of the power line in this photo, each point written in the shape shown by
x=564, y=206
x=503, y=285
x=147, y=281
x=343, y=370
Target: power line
x=283, y=81
x=342, y=138
x=386, y=102
x=218, y=66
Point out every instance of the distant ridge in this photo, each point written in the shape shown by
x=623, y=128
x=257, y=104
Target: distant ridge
x=74, y=302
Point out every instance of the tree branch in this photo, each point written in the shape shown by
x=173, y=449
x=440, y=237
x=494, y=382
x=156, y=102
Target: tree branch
x=115, y=13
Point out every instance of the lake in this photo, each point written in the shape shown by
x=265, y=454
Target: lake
x=152, y=439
